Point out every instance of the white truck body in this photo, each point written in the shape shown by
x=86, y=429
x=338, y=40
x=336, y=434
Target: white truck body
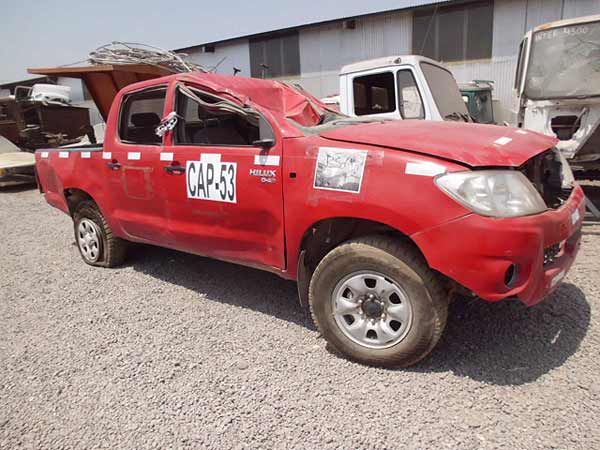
x=400, y=87
x=557, y=87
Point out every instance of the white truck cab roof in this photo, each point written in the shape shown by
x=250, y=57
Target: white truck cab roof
x=566, y=22
x=386, y=61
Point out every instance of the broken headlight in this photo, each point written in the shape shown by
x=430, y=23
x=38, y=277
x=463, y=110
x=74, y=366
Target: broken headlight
x=493, y=193
x=567, y=178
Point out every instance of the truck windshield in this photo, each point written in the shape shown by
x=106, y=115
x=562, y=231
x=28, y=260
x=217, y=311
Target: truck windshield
x=482, y=111
x=445, y=93
x=564, y=62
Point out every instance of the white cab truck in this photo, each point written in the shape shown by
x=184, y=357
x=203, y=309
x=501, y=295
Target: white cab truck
x=400, y=87
x=557, y=88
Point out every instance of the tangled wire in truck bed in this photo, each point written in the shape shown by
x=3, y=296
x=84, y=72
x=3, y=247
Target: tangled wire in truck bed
x=132, y=53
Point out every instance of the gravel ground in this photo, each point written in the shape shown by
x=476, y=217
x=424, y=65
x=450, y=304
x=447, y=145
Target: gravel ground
x=177, y=351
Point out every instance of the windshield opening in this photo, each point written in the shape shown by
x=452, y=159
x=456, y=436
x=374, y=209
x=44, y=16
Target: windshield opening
x=564, y=62
x=445, y=93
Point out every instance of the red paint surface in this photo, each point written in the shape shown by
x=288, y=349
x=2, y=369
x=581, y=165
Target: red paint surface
x=265, y=228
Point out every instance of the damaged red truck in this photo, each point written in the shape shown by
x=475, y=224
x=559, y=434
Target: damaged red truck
x=378, y=221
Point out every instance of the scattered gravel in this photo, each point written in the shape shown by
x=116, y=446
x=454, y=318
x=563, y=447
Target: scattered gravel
x=177, y=351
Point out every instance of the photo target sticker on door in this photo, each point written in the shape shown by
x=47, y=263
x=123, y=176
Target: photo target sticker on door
x=340, y=169
x=211, y=179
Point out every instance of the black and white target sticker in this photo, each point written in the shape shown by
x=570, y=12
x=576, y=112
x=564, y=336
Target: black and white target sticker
x=211, y=179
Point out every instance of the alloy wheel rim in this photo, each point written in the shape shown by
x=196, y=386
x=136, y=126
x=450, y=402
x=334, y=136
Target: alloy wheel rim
x=371, y=309
x=88, y=239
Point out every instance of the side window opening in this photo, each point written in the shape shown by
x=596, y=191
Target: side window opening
x=409, y=97
x=141, y=113
x=201, y=125
x=374, y=94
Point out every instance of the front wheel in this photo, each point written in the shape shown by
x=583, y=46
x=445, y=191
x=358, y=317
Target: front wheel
x=375, y=300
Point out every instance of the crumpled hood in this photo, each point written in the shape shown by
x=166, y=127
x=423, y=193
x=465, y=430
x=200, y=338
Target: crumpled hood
x=471, y=144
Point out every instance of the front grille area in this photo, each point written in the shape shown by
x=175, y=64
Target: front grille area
x=550, y=254
x=545, y=172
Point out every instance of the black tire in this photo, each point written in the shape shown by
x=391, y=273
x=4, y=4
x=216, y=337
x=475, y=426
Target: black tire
x=112, y=249
x=406, y=267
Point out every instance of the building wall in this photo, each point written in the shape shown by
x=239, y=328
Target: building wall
x=324, y=49
x=578, y=8
x=226, y=56
x=512, y=19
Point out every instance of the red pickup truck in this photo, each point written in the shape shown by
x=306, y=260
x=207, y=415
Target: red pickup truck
x=378, y=221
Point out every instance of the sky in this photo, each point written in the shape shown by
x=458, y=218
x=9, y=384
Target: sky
x=48, y=34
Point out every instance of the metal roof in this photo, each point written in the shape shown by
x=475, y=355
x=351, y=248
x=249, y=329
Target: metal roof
x=400, y=6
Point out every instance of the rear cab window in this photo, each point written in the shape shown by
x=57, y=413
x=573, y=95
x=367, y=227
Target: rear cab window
x=141, y=113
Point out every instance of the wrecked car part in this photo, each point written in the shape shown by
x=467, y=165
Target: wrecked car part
x=551, y=176
x=51, y=93
x=39, y=117
x=134, y=53
x=557, y=88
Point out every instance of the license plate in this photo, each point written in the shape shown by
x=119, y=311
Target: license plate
x=214, y=180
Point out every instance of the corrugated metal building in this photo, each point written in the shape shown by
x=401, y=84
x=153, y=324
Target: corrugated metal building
x=476, y=39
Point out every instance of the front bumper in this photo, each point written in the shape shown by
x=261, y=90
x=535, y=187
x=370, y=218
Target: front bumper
x=480, y=252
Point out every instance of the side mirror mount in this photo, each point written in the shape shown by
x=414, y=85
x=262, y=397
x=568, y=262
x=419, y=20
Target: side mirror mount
x=265, y=144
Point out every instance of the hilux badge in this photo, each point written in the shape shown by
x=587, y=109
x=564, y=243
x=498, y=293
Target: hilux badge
x=266, y=175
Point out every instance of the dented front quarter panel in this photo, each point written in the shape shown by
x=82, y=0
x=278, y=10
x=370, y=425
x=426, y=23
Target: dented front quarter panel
x=389, y=195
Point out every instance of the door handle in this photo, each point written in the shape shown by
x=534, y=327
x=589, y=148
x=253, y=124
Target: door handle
x=175, y=170
x=114, y=165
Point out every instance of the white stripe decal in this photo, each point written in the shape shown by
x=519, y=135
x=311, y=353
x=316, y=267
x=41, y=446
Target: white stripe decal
x=106, y=155
x=266, y=160
x=63, y=155
x=134, y=156
x=86, y=155
x=210, y=157
x=425, y=169
x=503, y=140
x=521, y=131
x=44, y=155
x=166, y=156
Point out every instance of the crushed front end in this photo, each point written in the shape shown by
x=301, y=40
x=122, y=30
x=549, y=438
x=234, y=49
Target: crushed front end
x=525, y=257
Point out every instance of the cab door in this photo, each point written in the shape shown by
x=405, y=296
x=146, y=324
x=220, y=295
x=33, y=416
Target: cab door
x=224, y=195
x=133, y=170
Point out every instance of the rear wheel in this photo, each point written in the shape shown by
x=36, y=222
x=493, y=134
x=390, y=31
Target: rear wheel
x=375, y=300
x=97, y=244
